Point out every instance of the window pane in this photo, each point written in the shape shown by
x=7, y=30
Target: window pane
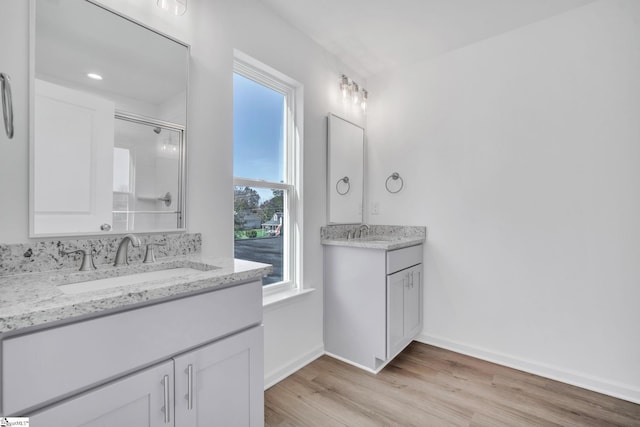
x=258, y=131
x=259, y=228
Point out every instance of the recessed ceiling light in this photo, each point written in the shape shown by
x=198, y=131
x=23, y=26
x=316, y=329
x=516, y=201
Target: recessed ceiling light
x=94, y=76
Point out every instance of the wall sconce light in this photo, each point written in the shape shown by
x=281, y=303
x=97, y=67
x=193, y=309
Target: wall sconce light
x=351, y=91
x=177, y=7
x=345, y=87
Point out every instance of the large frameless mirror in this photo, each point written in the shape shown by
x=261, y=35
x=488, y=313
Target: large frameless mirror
x=108, y=122
x=345, y=171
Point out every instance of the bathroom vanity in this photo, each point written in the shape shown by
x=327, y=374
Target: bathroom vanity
x=184, y=350
x=372, y=294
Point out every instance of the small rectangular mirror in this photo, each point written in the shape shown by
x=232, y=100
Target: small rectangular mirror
x=108, y=123
x=345, y=171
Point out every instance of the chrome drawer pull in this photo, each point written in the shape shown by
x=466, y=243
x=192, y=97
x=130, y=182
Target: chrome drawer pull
x=190, y=387
x=166, y=399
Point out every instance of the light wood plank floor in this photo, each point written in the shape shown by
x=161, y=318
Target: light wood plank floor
x=429, y=386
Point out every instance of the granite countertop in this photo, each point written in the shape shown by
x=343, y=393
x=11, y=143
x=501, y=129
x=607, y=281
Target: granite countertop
x=375, y=242
x=34, y=299
x=385, y=237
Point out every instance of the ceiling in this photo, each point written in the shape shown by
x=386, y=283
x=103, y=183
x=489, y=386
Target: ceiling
x=372, y=36
x=73, y=38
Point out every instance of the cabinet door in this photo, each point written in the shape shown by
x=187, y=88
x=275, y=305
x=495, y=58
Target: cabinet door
x=396, y=284
x=222, y=384
x=404, y=308
x=136, y=400
x=413, y=303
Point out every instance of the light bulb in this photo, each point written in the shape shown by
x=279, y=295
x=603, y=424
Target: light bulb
x=344, y=87
x=365, y=97
x=356, y=92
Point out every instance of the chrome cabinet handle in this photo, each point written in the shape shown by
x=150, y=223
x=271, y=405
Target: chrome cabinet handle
x=7, y=104
x=167, y=402
x=190, y=387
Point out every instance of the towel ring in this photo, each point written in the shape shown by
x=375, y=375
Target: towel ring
x=7, y=104
x=394, y=176
x=346, y=181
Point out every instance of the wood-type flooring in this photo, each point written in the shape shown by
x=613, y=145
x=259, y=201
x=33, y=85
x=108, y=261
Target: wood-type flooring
x=430, y=386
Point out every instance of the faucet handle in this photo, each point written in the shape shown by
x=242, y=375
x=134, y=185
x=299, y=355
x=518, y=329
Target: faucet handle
x=149, y=255
x=87, y=258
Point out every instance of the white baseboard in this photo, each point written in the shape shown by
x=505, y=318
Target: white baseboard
x=589, y=382
x=272, y=378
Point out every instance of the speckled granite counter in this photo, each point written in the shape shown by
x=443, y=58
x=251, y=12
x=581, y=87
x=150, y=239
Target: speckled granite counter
x=34, y=299
x=386, y=237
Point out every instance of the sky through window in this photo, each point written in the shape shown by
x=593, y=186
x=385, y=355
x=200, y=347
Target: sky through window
x=258, y=132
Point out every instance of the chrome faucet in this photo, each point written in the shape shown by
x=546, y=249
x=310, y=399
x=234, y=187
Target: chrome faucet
x=359, y=231
x=122, y=252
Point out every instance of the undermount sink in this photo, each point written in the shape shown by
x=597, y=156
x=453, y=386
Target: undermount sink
x=128, y=280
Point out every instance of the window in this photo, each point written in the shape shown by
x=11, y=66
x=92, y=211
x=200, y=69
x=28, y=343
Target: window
x=266, y=158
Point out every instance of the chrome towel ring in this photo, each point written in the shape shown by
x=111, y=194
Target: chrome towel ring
x=346, y=181
x=7, y=104
x=395, y=177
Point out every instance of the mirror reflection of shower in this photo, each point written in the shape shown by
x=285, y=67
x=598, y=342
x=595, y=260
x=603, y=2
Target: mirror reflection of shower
x=168, y=143
x=147, y=174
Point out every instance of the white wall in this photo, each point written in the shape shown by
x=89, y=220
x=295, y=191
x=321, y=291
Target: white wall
x=293, y=331
x=521, y=154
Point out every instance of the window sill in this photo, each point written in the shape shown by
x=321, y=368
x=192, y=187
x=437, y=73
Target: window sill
x=277, y=299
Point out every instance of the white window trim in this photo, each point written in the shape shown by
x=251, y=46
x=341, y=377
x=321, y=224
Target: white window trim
x=261, y=73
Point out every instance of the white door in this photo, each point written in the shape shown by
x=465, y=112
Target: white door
x=222, y=384
x=136, y=400
x=72, y=160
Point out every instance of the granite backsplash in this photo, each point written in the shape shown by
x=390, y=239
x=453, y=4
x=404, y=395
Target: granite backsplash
x=46, y=255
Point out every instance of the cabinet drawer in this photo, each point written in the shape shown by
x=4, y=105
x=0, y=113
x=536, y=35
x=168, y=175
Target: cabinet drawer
x=400, y=259
x=43, y=366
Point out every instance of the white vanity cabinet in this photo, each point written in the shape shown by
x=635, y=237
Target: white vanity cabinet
x=218, y=385
x=404, y=303
x=124, y=368
x=373, y=303
x=136, y=400
x=214, y=385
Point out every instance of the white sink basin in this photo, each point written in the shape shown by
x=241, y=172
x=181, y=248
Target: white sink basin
x=131, y=279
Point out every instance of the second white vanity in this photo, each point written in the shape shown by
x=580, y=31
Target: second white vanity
x=372, y=294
